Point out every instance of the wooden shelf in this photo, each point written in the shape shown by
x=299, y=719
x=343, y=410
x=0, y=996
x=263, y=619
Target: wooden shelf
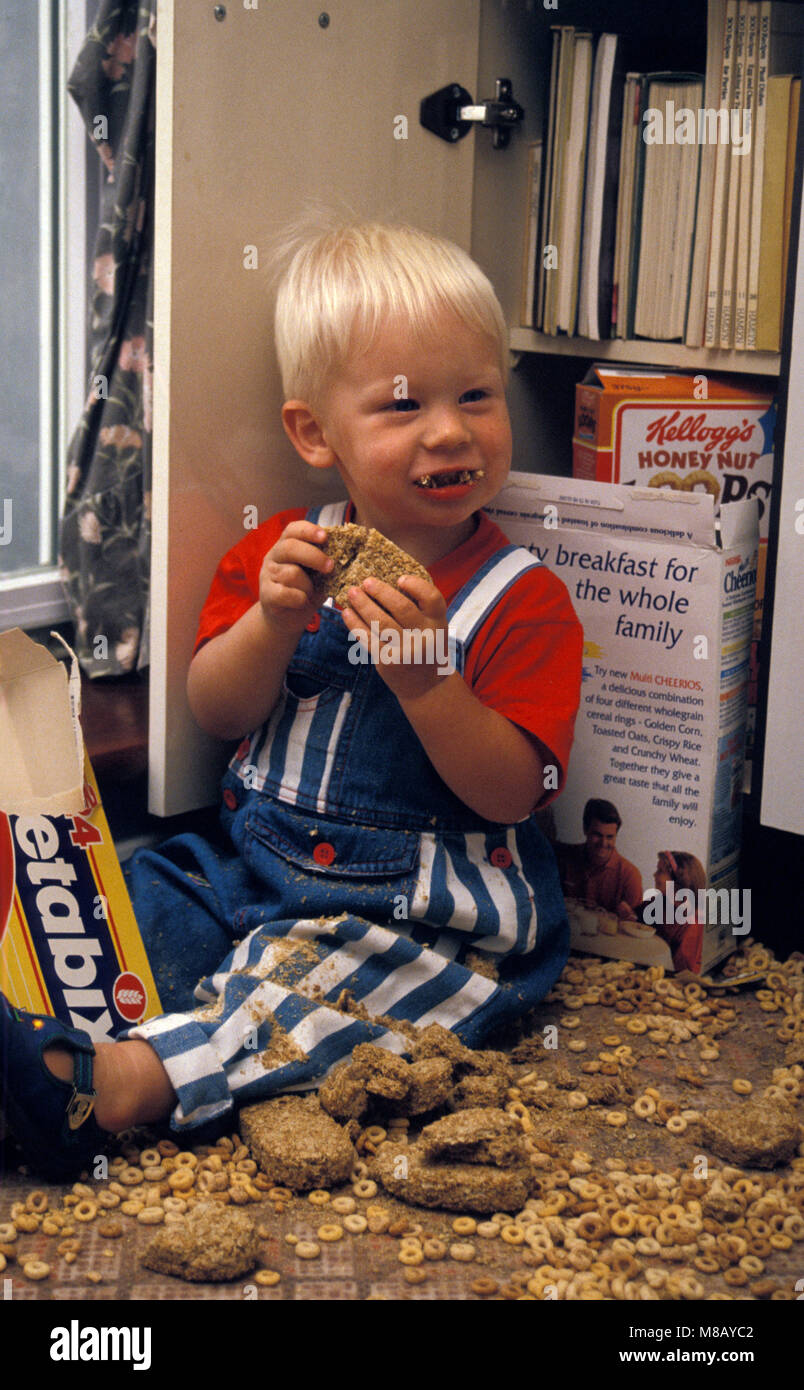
x=651, y=353
x=114, y=719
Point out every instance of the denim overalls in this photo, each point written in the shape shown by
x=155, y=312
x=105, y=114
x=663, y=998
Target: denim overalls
x=357, y=869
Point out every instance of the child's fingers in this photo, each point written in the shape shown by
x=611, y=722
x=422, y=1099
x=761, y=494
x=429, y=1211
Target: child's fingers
x=293, y=550
x=407, y=608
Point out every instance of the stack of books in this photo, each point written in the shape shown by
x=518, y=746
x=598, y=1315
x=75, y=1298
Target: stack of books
x=659, y=204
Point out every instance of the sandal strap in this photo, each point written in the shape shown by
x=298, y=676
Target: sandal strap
x=82, y=1100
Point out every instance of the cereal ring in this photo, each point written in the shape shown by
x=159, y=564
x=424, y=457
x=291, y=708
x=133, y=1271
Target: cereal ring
x=36, y=1269
x=741, y=1086
x=85, y=1210
x=150, y=1158
x=616, y=1118
x=181, y=1180
x=132, y=1207
x=464, y=1226
x=511, y=1234
x=37, y=1201
x=27, y=1221
x=186, y=1160
x=577, y=1100
x=319, y=1197
x=364, y=1187
x=622, y=1222
x=410, y=1255
x=307, y=1249
x=167, y=1148
x=484, y=1287
x=707, y=480
x=676, y=1124
x=667, y=479
x=130, y=1176
x=644, y=1106
x=108, y=1199
x=355, y=1223
x=488, y=1229
x=267, y=1277
x=462, y=1250
x=279, y=1194
x=110, y=1230
x=344, y=1206
x=414, y=1274
x=330, y=1232
x=151, y=1216
x=433, y=1249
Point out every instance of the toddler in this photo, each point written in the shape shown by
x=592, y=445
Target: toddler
x=383, y=859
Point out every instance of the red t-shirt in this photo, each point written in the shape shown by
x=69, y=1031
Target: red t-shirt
x=525, y=662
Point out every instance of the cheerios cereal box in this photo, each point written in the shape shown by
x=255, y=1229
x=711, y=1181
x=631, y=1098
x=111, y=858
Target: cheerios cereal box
x=685, y=432
x=666, y=599
x=69, y=941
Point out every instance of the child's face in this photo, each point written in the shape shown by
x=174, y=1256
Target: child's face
x=414, y=411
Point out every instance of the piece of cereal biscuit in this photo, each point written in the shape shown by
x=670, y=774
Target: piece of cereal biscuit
x=211, y=1244
x=361, y=553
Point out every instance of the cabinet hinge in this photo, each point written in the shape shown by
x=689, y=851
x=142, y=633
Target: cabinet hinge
x=450, y=113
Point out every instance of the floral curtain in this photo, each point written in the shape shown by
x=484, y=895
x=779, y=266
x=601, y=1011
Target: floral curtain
x=105, y=529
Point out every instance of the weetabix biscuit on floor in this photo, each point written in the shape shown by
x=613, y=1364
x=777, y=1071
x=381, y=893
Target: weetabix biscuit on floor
x=211, y=1244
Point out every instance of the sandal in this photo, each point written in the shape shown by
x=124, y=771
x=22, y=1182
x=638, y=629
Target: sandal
x=50, y=1119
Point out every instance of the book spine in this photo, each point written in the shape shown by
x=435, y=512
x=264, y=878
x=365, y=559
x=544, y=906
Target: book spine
x=696, y=309
x=720, y=195
x=735, y=175
x=531, y=244
x=758, y=158
x=746, y=181
x=548, y=176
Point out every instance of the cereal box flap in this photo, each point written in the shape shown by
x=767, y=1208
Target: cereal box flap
x=41, y=771
x=657, y=515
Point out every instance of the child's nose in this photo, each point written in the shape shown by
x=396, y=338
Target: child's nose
x=445, y=428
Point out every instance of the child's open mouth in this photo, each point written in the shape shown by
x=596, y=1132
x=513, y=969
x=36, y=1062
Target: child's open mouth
x=453, y=479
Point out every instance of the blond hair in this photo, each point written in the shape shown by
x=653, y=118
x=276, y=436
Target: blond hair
x=345, y=283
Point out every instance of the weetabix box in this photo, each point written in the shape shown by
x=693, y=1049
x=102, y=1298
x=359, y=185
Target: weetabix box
x=666, y=601
x=688, y=432
x=69, y=941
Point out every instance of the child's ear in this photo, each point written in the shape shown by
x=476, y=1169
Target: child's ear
x=306, y=434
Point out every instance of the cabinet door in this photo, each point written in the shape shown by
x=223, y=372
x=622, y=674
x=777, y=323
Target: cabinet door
x=257, y=113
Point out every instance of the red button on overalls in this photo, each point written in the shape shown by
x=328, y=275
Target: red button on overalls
x=324, y=853
x=229, y=799
x=314, y=623
x=501, y=857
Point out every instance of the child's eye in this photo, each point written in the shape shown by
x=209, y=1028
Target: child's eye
x=405, y=404
x=478, y=394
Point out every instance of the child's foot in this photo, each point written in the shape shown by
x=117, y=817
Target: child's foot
x=131, y=1085
x=53, y=1079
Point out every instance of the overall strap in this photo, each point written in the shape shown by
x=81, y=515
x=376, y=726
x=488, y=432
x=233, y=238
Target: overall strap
x=330, y=514
x=474, y=602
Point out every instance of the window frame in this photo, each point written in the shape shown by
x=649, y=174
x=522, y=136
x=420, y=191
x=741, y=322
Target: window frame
x=68, y=184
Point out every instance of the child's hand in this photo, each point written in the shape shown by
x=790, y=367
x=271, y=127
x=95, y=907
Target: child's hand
x=286, y=589
x=410, y=646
